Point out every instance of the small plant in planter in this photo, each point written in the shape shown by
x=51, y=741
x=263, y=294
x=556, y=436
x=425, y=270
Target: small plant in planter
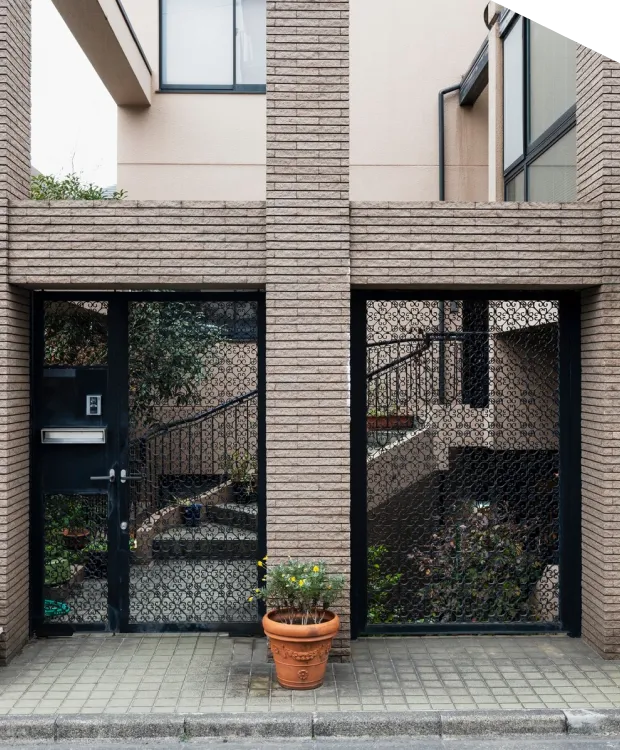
x=74, y=520
x=191, y=514
x=300, y=626
x=392, y=417
x=241, y=468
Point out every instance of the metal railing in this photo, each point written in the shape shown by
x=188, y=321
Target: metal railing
x=187, y=456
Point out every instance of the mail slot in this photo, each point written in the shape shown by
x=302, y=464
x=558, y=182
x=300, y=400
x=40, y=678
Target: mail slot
x=73, y=435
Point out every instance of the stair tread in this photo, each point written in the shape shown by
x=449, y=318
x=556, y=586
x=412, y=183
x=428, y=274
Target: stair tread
x=249, y=509
x=207, y=531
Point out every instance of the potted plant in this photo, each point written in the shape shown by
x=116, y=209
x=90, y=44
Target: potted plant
x=241, y=468
x=191, y=514
x=75, y=532
x=300, y=627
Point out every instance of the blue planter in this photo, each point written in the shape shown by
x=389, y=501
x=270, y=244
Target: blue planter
x=192, y=514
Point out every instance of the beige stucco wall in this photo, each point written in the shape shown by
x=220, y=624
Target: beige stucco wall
x=400, y=59
x=189, y=146
x=212, y=146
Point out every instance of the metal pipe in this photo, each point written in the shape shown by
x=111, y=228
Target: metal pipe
x=442, y=197
x=442, y=352
x=442, y=140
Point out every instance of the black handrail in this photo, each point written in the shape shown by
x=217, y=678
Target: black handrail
x=163, y=429
x=405, y=358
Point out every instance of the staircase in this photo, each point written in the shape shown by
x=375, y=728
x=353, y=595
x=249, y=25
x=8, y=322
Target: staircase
x=225, y=532
x=189, y=462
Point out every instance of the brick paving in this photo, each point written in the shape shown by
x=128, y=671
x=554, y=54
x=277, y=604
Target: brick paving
x=95, y=673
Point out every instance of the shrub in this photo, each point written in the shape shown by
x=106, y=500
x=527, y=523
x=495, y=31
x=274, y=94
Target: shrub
x=57, y=571
x=381, y=586
x=45, y=187
x=479, y=568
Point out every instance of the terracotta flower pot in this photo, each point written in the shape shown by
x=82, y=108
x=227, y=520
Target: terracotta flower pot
x=300, y=651
x=391, y=422
x=76, y=539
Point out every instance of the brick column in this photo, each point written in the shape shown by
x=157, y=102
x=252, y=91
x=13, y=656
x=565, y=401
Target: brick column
x=598, y=167
x=14, y=331
x=308, y=285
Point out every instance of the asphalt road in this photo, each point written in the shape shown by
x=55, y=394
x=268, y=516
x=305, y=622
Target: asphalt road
x=344, y=744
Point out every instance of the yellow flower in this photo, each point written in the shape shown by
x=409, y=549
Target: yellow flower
x=293, y=579
x=257, y=591
x=260, y=563
x=301, y=583
x=265, y=558
x=250, y=598
x=316, y=569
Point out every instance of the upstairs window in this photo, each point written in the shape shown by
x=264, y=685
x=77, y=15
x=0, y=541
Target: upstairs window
x=540, y=152
x=213, y=45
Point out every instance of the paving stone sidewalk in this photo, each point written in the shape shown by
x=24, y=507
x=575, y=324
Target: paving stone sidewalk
x=144, y=674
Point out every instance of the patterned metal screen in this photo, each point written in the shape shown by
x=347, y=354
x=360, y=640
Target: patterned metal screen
x=462, y=461
x=193, y=451
x=188, y=446
x=75, y=583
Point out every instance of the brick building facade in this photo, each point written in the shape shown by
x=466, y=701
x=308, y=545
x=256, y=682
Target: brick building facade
x=307, y=247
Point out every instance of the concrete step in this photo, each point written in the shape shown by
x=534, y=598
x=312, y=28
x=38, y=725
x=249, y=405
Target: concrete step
x=239, y=515
x=216, y=541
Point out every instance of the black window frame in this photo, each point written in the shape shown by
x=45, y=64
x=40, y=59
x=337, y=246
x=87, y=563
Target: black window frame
x=554, y=133
x=192, y=88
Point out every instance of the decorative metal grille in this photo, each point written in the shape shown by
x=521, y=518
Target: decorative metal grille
x=192, y=451
x=462, y=461
x=193, y=444
x=75, y=584
x=76, y=558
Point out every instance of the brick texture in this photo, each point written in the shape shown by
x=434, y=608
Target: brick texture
x=14, y=98
x=488, y=244
x=598, y=179
x=138, y=244
x=14, y=331
x=308, y=283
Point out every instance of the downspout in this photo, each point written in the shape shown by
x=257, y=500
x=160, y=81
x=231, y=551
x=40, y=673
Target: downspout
x=442, y=197
x=442, y=140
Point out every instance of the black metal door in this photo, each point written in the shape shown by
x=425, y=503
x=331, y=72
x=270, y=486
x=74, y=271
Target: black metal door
x=170, y=507
x=465, y=451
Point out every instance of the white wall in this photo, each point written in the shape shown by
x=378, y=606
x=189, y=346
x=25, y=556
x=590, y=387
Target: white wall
x=212, y=146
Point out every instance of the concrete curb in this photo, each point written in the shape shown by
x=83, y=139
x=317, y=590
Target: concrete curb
x=436, y=724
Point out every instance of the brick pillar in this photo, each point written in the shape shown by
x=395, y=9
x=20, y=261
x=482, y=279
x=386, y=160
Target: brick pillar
x=598, y=167
x=308, y=285
x=14, y=331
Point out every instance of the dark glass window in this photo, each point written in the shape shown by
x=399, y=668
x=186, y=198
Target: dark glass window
x=515, y=188
x=513, y=95
x=539, y=114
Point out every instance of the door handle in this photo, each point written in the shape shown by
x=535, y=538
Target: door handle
x=110, y=477
x=130, y=477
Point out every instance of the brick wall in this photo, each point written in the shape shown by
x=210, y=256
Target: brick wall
x=598, y=178
x=484, y=244
x=139, y=244
x=308, y=285
x=598, y=141
x=14, y=331
x=14, y=98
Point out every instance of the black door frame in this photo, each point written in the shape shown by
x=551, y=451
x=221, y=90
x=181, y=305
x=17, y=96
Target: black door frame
x=569, y=462
x=117, y=458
